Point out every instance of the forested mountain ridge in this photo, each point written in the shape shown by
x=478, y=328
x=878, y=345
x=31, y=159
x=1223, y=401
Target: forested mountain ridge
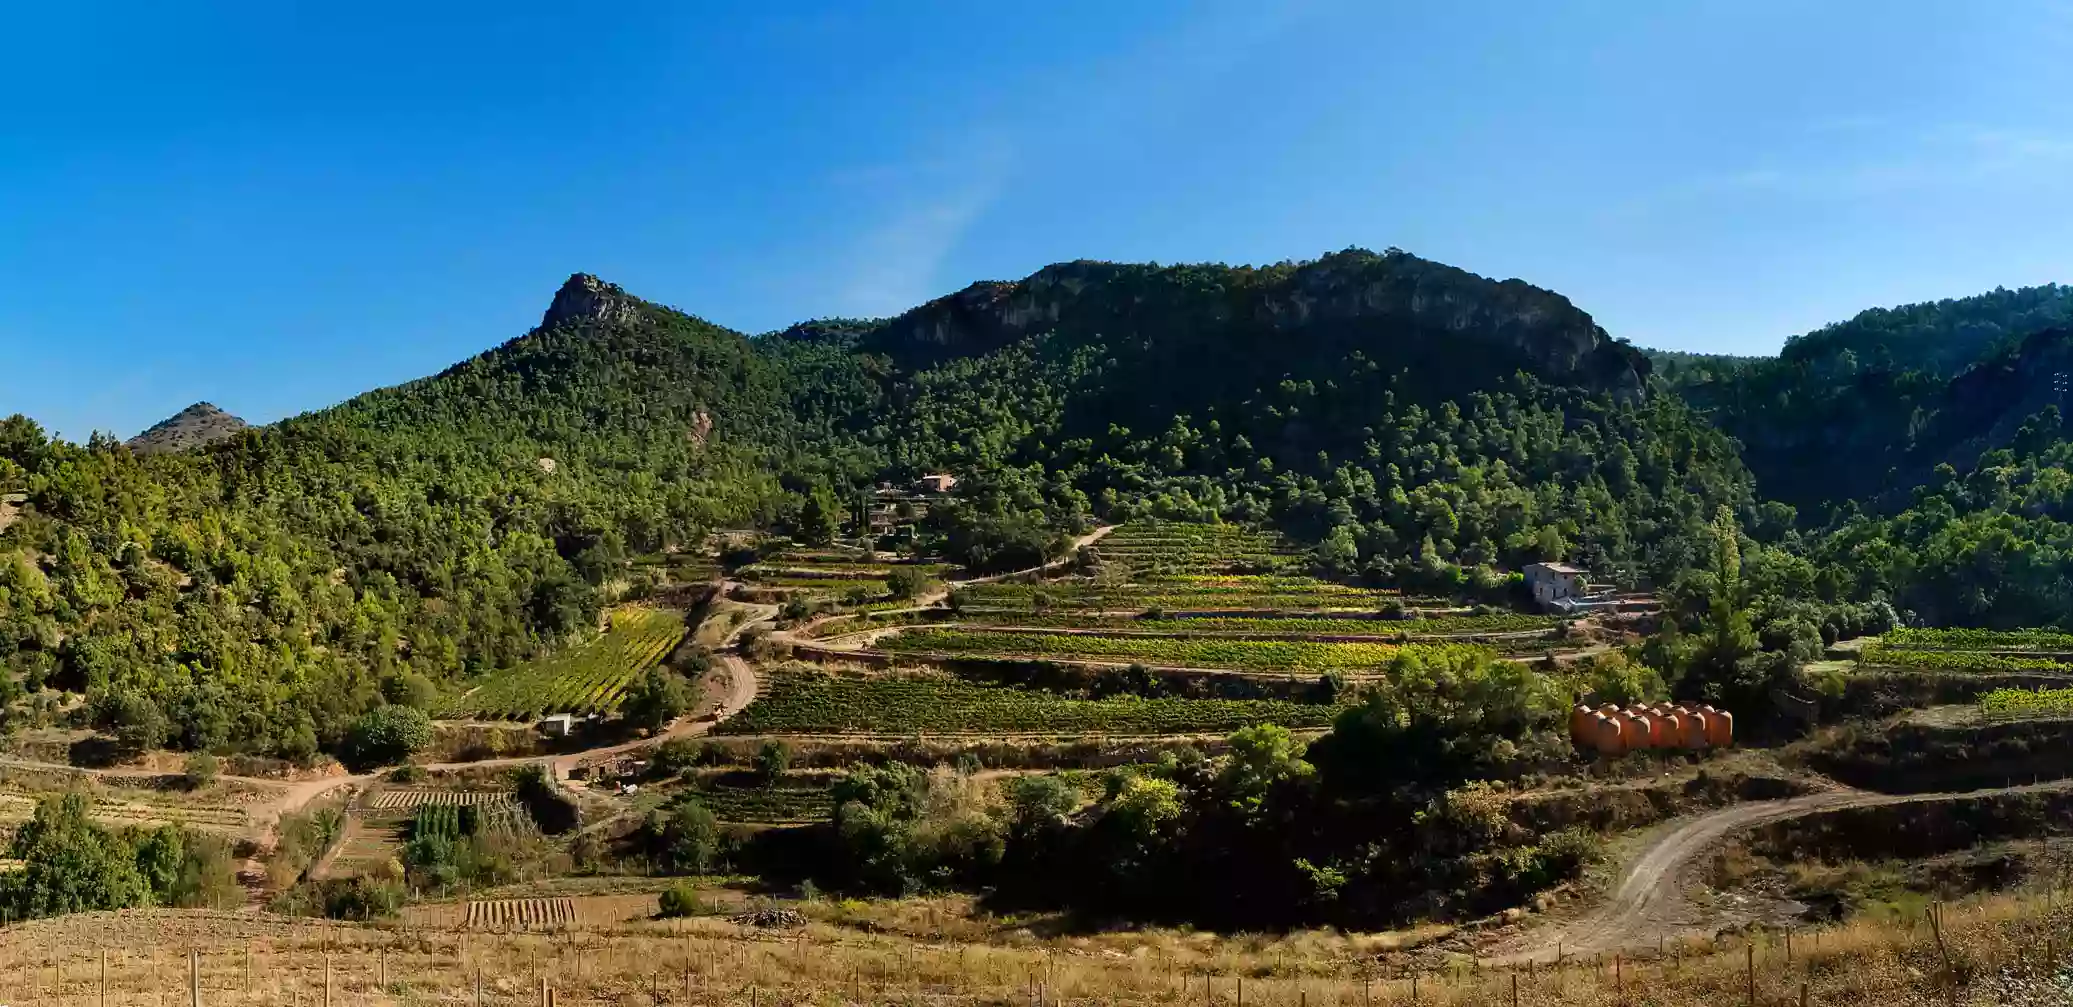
x=258, y=594
x=1850, y=411
x=1420, y=420
x=1421, y=425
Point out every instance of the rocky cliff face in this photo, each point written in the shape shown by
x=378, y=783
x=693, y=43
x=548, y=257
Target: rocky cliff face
x=1349, y=300
x=196, y=426
x=586, y=298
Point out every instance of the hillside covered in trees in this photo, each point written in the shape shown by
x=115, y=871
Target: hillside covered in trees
x=1420, y=425
x=1923, y=446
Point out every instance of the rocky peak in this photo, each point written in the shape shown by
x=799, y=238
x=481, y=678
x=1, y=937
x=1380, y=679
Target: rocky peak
x=195, y=426
x=586, y=298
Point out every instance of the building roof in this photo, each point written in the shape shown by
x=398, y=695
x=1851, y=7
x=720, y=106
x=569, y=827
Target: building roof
x=1562, y=568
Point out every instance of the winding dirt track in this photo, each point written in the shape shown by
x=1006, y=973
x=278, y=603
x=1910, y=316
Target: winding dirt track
x=1653, y=899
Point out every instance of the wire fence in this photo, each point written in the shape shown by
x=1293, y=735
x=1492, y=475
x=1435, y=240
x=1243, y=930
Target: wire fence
x=169, y=960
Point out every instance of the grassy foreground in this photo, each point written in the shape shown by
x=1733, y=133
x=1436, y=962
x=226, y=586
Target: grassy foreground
x=2001, y=950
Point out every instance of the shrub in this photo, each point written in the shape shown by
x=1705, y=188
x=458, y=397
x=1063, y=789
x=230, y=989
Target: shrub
x=684, y=838
x=676, y=755
x=386, y=734
x=772, y=760
x=906, y=582
x=657, y=699
x=679, y=901
x=200, y=770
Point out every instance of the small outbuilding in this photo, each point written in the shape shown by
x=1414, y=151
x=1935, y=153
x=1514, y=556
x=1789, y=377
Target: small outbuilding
x=1555, y=582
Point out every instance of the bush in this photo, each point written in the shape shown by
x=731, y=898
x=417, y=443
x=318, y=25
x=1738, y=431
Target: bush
x=676, y=755
x=200, y=770
x=385, y=735
x=684, y=838
x=906, y=582
x=772, y=760
x=679, y=901
x=657, y=699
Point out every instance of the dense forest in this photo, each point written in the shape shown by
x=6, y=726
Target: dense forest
x=1420, y=425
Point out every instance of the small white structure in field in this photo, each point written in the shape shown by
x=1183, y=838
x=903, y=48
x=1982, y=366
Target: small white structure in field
x=559, y=725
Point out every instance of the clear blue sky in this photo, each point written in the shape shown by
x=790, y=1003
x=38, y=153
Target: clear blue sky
x=274, y=206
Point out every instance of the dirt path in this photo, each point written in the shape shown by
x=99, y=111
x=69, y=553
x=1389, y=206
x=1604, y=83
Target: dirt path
x=1653, y=899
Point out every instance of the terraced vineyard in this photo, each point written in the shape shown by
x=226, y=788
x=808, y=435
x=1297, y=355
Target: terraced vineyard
x=1250, y=594
x=111, y=810
x=788, y=802
x=1962, y=661
x=1149, y=548
x=588, y=679
x=1465, y=625
x=798, y=702
x=1169, y=651
x=775, y=572
x=2008, y=703
x=1978, y=639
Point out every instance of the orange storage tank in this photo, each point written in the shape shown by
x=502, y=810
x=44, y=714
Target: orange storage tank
x=1580, y=724
x=1693, y=730
x=1663, y=730
x=1606, y=735
x=1720, y=728
x=1636, y=729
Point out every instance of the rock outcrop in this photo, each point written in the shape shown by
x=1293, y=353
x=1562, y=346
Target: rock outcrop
x=586, y=298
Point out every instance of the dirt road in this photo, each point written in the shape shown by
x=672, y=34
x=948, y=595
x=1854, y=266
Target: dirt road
x=1653, y=898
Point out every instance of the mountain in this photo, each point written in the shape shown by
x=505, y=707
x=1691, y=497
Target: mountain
x=1850, y=411
x=1416, y=415
x=196, y=426
x=1395, y=308
x=1422, y=424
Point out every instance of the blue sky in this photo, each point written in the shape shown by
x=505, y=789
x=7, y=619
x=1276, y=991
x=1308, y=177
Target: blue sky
x=275, y=206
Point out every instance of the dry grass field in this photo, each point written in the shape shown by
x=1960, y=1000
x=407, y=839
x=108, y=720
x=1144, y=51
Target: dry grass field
x=2005, y=950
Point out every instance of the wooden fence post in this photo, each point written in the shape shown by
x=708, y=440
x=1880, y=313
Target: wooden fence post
x=1751, y=949
x=194, y=978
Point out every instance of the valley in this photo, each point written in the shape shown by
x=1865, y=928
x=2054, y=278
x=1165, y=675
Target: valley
x=1004, y=650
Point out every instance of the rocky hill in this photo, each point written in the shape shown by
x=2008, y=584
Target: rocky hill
x=196, y=426
x=1390, y=307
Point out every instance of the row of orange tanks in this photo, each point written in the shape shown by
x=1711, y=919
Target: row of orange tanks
x=1611, y=730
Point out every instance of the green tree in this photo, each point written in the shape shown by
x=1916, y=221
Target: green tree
x=69, y=865
x=820, y=519
x=684, y=838
x=386, y=735
x=658, y=698
x=906, y=582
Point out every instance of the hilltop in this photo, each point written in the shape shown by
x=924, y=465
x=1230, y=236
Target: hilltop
x=198, y=425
